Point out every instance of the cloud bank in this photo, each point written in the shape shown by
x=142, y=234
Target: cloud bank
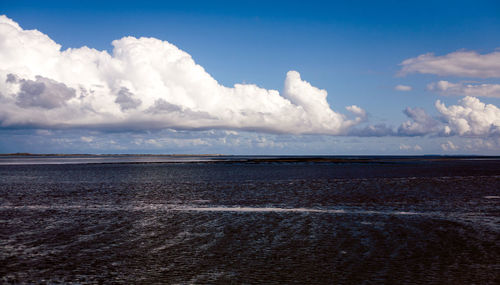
x=146, y=83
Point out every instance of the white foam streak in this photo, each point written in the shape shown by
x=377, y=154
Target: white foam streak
x=182, y=208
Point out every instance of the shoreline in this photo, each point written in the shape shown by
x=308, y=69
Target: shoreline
x=61, y=159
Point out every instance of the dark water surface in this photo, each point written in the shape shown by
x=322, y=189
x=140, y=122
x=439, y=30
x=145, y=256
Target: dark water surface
x=257, y=220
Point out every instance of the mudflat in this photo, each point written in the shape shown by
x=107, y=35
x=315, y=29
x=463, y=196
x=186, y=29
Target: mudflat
x=273, y=220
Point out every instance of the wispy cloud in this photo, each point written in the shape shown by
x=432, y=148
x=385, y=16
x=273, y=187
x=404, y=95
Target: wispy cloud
x=459, y=63
x=449, y=146
x=378, y=130
x=410, y=148
x=465, y=89
x=402, y=88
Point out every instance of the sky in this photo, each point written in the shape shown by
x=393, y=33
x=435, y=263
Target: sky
x=250, y=77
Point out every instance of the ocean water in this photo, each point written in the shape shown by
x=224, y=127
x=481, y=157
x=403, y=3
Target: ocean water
x=249, y=220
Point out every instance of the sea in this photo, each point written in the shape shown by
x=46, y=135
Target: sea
x=213, y=219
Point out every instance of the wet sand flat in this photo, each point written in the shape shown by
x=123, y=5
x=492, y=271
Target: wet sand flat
x=273, y=221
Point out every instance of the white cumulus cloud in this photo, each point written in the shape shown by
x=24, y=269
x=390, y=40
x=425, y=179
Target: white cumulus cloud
x=464, y=89
x=145, y=83
x=459, y=63
x=470, y=117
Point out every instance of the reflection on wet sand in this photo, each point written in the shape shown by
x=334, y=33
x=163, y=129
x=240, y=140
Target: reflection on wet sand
x=244, y=222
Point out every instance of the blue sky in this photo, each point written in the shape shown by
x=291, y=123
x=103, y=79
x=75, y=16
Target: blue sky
x=353, y=50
